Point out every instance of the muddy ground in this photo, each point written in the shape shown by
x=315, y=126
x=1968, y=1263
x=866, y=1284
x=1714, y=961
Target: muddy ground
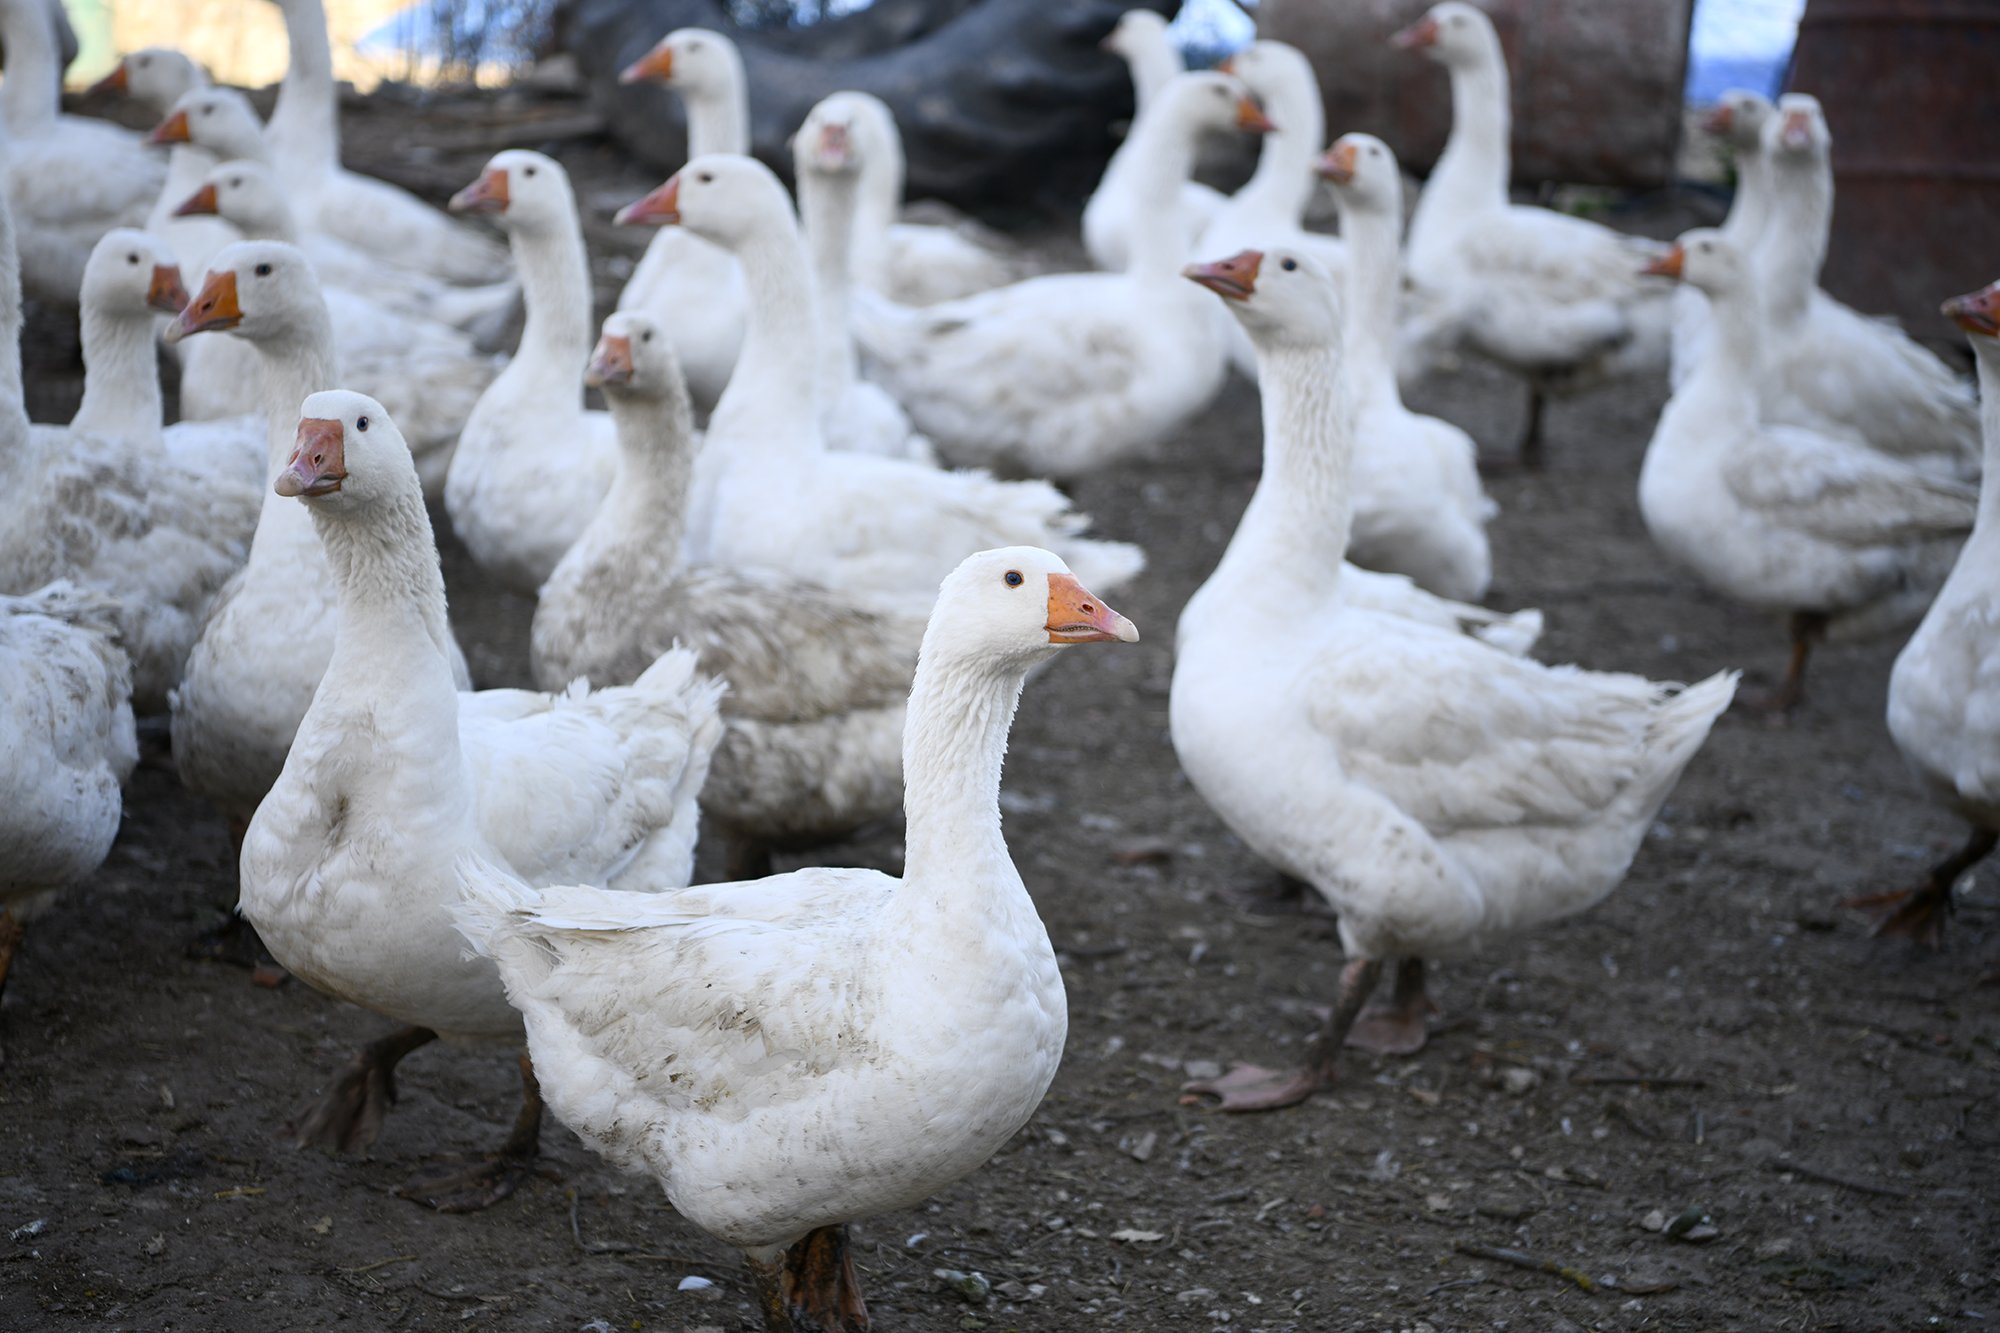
x=1717, y=1036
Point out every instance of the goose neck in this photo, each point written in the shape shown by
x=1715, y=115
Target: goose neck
x=304, y=119
x=827, y=203
x=719, y=119
x=1794, y=243
x=1374, y=279
x=121, y=383
x=1283, y=183
x=31, y=94
x=1723, y=387
x=298, y=362
x=954, y=744
x=1751, y=208
x=391, y=593
x=769, y=408
x=13, y=402
x=646, y=508
x=1986, y=352
x=1472, y=173
x=1297, y=523
x=1162, y=158
x=1154, y=61
x=878, y=200
x=555, y=289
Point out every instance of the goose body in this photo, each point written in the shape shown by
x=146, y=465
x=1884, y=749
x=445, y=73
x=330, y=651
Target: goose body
x=266, y=642
x=769, y=495
x=1067, y=372
x=917, y=1022
x=813, y=721
x=532, y=463
x=1438, y=793
x=1115, y=211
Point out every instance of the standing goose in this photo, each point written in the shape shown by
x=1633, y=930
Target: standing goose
x=789, y=1054
x=349, y=863
x=813, y=721
x=265, y=644
x=1068, y=372
x=1556, y=299
x=1811, y=525
x=1738, y=119
x=1944, y=694
x=693, y=287
x=1413, y=485
x=1438, y=793
x=769, y=495
x=157, y=78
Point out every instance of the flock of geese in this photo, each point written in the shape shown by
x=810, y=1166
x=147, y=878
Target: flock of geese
x=821, y=607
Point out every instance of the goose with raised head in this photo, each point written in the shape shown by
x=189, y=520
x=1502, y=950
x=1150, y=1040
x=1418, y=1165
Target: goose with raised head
x=60, y=208
x=1825, y=364
x=66, y=715
x=1813, y=526
x=1556, y=299
x=1068, y=372
x=266, y=642
x=1944, y=693
x=349, y=866
x=898, y=1030
x=1115, y=209
x=533, y=463
x=770, y=495
x=813, y=721
x=1413, y=484
x=1437, y=793
x=130, y=282
x=157, y=78
x=1737, y=119
x=693, y=287
x=830, y=153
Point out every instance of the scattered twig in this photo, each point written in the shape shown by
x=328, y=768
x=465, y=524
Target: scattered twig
x=1826, y=1178
x=1519, y=1260
x=1462, y=1282
x=1621, y=1081
x=382, y=1263
x=242, y=1193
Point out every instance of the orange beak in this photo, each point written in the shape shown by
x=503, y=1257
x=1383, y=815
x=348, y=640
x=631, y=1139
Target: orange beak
x=1797, y=134
x=1422, y=33
x=1250, y=116
x=1077, y=617
x=117, y=81
x=488, y=194
x=214, y=308
x=1977, y=313
x=1234, y=278
x=165, y=291
x=319, y=462
x=660, y=208
x=201, y=201
x=1719, y=120
x=833, y=145
x=1667, y=265
x=174, y=129
x=1338, y=164
x=611, y=363
x=657, y=65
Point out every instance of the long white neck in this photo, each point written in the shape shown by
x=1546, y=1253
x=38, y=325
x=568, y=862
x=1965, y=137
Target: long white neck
x=644, y=515
x=1163, y=148
x=1722, y=391
x=827, y=202
x=1283, y=183
x=13, y=402
x=954, y=743
x=306, y=122
x=1793, y=246
x=1750, y=210
x=1374, y=281
x=1471, y=175
x=1297, y=524
x=719, y=118
x=555, y=289
x=270, y=220
x=1154, y=60
x=121, y=382
x=31, y=94
x=1986, y=351
x=878, y=203
x=298, y=363
x=769, y=411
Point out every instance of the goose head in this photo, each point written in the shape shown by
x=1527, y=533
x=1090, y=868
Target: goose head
x=1209, y=101
x=522, y=189
x=132, y=274
x=1797, y=129
x=1270, y=70
x=719, y=197
x=1977, y=313
x=1363, y=172
x=256, y=289
x=243, y=193
x=839, y=135
x=1134, y=28
x=218, y=119
x=348, y=456
x=1454, y=34
x=1738, y=118
x=691, y=61
x=1282, y=297
x=1015, y=606
x=157, y=77
x=1704, y=259
x=633, y=357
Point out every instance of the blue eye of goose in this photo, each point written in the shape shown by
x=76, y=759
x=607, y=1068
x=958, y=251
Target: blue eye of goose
x=1289, y=265
x=1013, y=578
x=361, y=423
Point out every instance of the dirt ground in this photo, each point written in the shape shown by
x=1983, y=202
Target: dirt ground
x=1717, y=1038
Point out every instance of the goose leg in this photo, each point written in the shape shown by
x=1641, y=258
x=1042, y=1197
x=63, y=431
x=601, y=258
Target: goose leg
x=1396, y=1028
x=746, y=857
x=12, y=932
x=811, y=1287
x=1808, y=628
x=1247, y=1087
x=1531, y=437
x=454, y=1185
x=1920, y=913
x=348, y=1116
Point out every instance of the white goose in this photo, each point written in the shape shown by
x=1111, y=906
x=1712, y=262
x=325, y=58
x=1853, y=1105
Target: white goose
x=158, y=77
x=1414, y=483
x=69, y=742
x=265, y=645
x=1738, y=119
x=1070, y=371
x=1813, y=526
x=769, y=495
x=1115, y=210
x=532, y=463
x=789, y=1054
x=812, y=746
x=1554, y=298
x=61, y=207
x=349, y=863
x=1825, y=363
x=1944, y=694
x=1436, y=792
x=693, y=287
